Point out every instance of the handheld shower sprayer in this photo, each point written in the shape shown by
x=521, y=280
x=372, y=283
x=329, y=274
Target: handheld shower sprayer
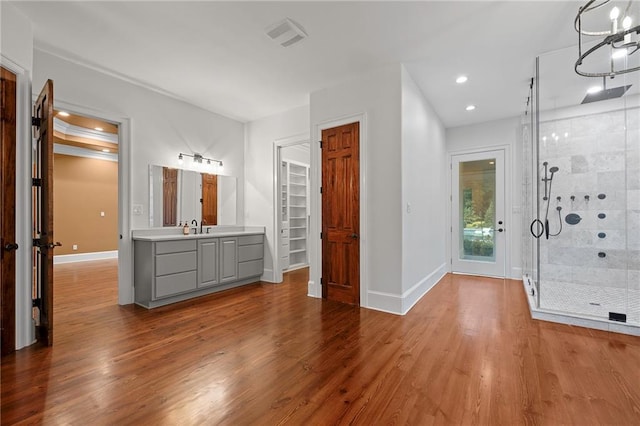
x=539, y=227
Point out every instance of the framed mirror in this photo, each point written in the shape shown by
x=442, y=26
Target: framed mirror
x=178, y=195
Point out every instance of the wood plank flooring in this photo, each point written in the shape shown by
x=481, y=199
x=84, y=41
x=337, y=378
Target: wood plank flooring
x=265, y=354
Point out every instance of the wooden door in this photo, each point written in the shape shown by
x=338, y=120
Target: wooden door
x=169, y=196
x=209, y=199
x=42, y=191
x=341, y=214
x=8, y=244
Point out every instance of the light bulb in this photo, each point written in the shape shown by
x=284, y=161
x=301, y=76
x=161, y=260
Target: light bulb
x=619, y=53
x=594, y=89
x=470, y=107
x=461, y=79
x=180, y=160
x=615, y=12
x=626, y=22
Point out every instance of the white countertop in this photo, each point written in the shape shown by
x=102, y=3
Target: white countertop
x=175, y=233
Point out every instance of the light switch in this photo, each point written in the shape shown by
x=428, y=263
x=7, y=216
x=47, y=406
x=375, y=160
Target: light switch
x=408, y=207
x=102, y=214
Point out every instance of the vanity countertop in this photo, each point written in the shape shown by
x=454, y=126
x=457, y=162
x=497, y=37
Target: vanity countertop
x=175, y=233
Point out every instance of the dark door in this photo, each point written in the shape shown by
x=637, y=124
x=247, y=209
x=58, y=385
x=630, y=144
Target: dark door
x=210, y=199
x=341, y=214
x=43, y=244
x=8, y=244
x=169, y=196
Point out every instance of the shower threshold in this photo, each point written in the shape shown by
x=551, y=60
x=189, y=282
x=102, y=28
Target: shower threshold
x=574, y=319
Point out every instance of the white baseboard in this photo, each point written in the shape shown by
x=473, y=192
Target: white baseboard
x=401, y=304
x=268, y=276
x=84, y=257
x=516, y=273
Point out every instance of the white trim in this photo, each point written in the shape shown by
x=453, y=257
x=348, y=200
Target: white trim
x=25, y=329
x=416, y=292
x=83, y=152
x=267, y=276
x=276, y=271
x=84, y=257
x=315, y=226
x=83, y=132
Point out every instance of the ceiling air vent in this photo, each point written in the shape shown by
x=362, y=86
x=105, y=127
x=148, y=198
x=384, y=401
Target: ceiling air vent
x=286, y=32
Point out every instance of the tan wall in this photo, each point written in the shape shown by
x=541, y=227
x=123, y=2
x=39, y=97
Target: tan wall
x=84, y=187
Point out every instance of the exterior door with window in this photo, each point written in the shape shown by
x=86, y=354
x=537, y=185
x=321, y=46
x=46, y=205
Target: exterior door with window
x=477, y=214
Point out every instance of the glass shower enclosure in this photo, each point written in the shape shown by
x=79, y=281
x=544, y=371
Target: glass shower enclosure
x=581, y=191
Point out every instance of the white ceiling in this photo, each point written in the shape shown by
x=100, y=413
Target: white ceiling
x=217, y=56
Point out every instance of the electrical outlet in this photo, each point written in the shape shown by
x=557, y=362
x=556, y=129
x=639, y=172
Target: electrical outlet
x=74, y=247
x=102, y=214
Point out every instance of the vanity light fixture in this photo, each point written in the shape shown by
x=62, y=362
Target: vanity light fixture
x=617, y=35
x=199, y=159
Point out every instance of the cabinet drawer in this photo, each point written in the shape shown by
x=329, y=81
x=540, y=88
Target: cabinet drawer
x=169, y=285
x=250, y=269
x=175, y=246
x=252, y=252
x=250, y=239
x=175, y=262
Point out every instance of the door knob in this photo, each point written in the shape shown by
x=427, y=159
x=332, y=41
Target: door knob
x=354, y=236
x=11, y=247
x=500, y=230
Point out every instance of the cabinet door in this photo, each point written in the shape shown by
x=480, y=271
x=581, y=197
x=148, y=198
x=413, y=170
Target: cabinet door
x=208, y=263
x=228, y=259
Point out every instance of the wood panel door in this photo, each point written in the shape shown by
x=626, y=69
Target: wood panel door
x=341, y=214
x=209, y=199
x=169, y=196
x=43, y=243
x=8, y=244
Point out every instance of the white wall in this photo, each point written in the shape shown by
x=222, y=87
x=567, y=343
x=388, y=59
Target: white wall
x=298, y=153
x=376, y=98
x=490, y=135
x=161, y=127
x=259, y=173
x=424, y=194
x=16, y=54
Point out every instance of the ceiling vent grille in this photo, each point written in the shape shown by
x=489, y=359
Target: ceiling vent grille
x=286, y=32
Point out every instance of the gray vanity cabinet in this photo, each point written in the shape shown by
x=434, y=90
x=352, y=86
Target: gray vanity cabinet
x=228, y=259
x=208, y=270
x=169, y=271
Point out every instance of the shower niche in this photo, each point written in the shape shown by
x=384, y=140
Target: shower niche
x=581, y=207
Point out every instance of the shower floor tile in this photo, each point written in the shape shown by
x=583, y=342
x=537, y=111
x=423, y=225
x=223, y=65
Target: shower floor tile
x=590, y=300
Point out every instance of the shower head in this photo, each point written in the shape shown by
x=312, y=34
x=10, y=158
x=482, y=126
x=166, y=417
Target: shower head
x=602, y=95
x=553, y=170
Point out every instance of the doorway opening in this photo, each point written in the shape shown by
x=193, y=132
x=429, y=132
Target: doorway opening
x=85, y=209
x=293, y=216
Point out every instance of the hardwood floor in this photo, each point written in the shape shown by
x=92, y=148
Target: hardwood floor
x=467, y=353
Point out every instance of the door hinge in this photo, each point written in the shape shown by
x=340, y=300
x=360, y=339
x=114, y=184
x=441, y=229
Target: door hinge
x=36, y=182
x=321, y=190
x=36, y=121
x=320, y=142
x=36, y=303
x=321, y=281
x=321, y=235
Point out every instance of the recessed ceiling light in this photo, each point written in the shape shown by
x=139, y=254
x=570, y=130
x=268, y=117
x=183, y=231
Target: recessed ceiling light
x=99, y=129
x=470, y=107
x=105, y=150
x=63, y=113
x=461, y=79
x=594, y=89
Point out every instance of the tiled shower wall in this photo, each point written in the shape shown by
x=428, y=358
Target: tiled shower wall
x=593, y=267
